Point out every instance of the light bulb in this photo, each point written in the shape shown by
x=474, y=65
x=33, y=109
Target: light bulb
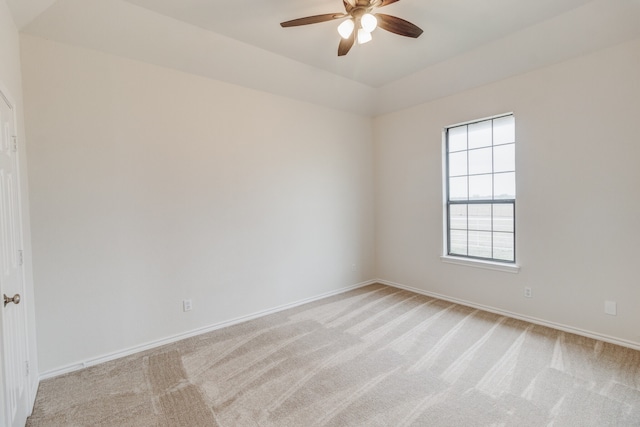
x=368, y=22
x=346, y=28
x=364, y=36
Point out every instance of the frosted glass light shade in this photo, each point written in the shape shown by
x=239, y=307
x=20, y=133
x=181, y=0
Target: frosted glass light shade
x=346, y=28
x=368, y=22
x=363, y=36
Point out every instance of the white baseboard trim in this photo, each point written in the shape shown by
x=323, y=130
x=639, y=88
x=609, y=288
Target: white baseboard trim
x=168, y=340
x=542, y=322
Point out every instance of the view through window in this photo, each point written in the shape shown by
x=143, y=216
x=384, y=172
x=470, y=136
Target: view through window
x=481, y=189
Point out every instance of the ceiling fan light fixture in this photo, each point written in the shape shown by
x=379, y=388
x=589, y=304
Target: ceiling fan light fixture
x=360, y=15
x=346, y=28
x=364, y=36
x=368, y=22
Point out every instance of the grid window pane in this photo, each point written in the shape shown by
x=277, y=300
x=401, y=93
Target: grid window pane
x=480, y=161
x=481, y=195
x=480, y=187
x=458, y=163
x=480, y=217
x=458, y=242
x=504, y=158
x=504, y=130
x=457, y=138
x=458, y=188
x=504, y=185
x=458, y=217
x=480, y=134
x=503, y=217
x=503, y=246
x=479, y=244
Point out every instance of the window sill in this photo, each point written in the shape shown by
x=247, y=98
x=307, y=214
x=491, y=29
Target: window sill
x=488, y=265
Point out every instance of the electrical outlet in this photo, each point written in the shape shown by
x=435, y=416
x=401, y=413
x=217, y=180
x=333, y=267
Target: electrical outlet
x=610, y=307
x=527, y=292
x=354, y=267
x=186, y=305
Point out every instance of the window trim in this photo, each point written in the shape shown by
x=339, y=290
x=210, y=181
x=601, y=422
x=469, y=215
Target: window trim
x=468, y=260
x=508, y=267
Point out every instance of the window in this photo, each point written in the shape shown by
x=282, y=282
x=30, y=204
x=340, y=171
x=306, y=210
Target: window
x=481, y=190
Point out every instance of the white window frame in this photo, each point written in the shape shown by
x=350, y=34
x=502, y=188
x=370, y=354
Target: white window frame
x=490, y=264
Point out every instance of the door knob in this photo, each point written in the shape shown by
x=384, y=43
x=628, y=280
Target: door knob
x=15, y=299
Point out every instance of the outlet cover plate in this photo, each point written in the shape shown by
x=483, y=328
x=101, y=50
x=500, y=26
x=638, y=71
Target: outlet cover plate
x=610, y=307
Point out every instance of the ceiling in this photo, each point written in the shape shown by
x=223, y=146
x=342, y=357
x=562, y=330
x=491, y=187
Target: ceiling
x=451, y=27
x=465, y=43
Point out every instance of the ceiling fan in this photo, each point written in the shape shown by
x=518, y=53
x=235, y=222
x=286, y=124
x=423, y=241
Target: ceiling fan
x=360, y=18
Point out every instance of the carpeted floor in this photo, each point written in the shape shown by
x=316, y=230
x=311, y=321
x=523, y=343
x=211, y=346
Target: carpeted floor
x=375, y=356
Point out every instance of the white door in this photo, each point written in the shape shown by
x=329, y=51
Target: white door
x=13, y=343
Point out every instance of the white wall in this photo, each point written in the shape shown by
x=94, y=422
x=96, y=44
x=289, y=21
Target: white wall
x=150, y=186
x=10, y=80
x=578, y=205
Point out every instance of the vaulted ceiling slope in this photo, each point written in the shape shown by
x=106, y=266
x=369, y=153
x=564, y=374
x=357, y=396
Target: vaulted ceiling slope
x=465, y=43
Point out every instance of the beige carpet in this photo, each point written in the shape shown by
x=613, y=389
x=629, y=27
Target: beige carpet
x=376, y=356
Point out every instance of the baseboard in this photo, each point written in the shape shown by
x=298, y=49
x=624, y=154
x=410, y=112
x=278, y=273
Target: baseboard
x=542, y=322
x=168, y=340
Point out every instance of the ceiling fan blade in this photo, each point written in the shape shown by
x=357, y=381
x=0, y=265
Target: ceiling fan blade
x=398, y=26
x=346, y=44
x=380, y=3
x=313, y=19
